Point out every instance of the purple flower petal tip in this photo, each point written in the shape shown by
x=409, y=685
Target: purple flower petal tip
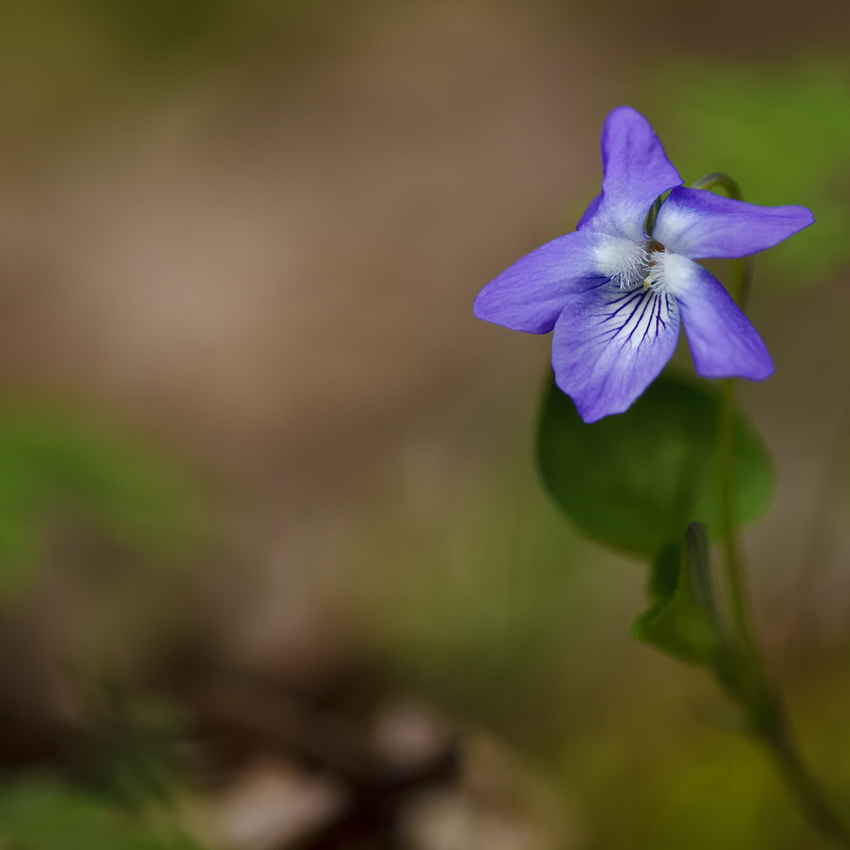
x=698, y=224
x=723, y=341
x=635, y=172
x=530, y=295
x=609, y=345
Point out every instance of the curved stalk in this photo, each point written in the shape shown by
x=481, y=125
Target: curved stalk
x=760, y=699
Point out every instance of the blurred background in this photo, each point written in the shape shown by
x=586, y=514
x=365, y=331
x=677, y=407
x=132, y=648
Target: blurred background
x=276, y=567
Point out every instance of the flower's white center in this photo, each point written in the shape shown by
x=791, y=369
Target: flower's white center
x=624, y=262
x=630, y=264
x=668, y=272
x=656, y=278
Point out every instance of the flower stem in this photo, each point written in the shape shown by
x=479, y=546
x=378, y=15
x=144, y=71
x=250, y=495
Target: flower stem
x=814, y=803
x=758, y=696
x=733, y=563
x=764, y=705
x=760, y=699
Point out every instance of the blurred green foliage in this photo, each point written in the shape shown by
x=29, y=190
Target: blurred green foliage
x=637, y=480
x=783, y=132
x=42, y=813
x=56, y=462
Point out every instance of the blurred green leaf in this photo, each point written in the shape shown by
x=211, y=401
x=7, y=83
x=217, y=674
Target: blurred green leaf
x=636, y=480
x=41, y=813
x=783, y=134
x=55, y=461
x=682, y=619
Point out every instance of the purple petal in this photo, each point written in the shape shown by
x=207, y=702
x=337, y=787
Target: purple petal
x=610, y=344
x=530, y=295
x=698, y=224
x=636, y=171
x=723, y=342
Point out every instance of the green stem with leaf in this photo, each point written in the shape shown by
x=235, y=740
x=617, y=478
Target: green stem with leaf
x=750, y=684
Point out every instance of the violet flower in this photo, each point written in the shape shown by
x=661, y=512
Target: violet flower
x=613, y=294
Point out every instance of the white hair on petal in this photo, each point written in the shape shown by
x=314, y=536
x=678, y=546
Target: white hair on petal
x=623, y=262
x=668, y=272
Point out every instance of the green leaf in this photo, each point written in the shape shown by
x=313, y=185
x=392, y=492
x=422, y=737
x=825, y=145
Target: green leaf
x=682, y=619
x=636, y=480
